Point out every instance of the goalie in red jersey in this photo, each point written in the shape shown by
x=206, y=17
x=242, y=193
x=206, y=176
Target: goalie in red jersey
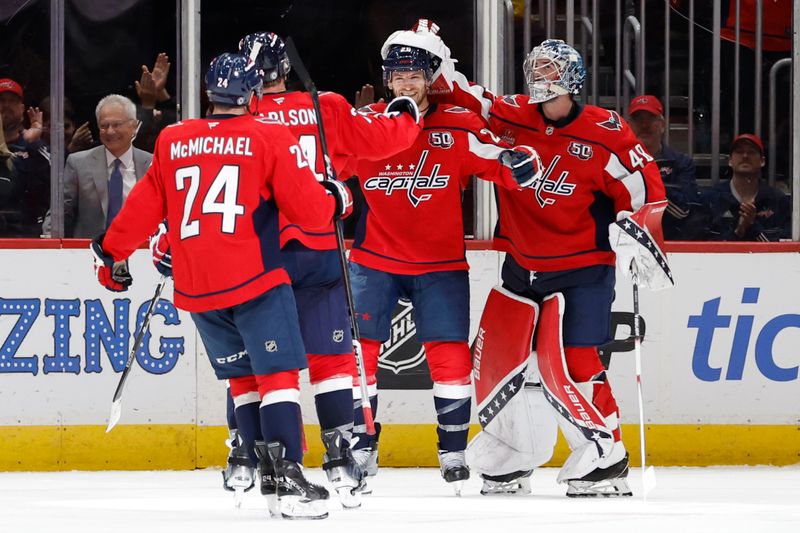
x=562, y=238
x=409, y=243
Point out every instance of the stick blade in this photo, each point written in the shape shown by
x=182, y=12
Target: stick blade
x=648, y=480
x=115, y=415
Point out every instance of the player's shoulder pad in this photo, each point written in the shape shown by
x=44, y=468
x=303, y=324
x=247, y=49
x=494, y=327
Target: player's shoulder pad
x=371, y=109
x=605, y=127
x=511, y=100
x=460, y=117
x=332, y=98
x=261, y=119
x=454, y=109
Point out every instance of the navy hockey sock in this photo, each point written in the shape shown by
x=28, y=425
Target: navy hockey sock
x=335, y=411
x=282, y=422
x=231, y=412
x=453, y=416
x=249, y=425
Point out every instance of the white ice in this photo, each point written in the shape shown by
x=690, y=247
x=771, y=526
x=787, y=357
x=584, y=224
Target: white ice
x=763, y=499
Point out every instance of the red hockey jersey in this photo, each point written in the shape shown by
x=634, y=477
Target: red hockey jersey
x=348, y=134
x=412, y=223
x=220, y=183
x=595, y=167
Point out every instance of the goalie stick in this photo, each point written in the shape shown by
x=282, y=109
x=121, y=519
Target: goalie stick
x=330, y=174
x=648, y=472
x=116, y=403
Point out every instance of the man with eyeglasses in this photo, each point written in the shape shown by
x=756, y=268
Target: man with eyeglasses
x=684, y=218
x=97, y=181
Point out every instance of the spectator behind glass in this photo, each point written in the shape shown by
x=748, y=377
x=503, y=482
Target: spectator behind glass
x=75, y=139
x=31, y=160
x=151, y=90
x=10, y=197
x=97, y=181
x=746, y=208
x=683, y=219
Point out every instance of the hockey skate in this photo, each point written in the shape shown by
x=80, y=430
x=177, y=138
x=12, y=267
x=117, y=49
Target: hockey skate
x=344, y=474
x=239, y=475
x=367, y=459
x=297, y=498
x=454, y=469
x=515, y=483
x=267, y=479
x=608, y=482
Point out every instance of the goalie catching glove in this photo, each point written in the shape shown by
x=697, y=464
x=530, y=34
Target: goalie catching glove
x=524, y=163
x=160, y=251
x=402, y=104
x=114, y=276
x=342, y=197
x=637, y=238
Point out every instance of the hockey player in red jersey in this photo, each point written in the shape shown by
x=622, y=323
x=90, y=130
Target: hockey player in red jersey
x=409, y=243
x=221, y=183
x=560, y=237
x=310, y=254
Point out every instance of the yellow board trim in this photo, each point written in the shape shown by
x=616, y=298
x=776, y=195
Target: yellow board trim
x=185, y=447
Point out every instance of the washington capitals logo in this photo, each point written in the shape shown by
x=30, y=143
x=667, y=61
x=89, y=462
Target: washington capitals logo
x=613, y=123
x=409, y=178
x=558, y=186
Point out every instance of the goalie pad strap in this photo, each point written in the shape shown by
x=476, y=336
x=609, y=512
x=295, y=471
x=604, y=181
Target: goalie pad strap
x=577, y=415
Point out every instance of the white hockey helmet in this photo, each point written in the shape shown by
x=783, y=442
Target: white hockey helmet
x=553, y=55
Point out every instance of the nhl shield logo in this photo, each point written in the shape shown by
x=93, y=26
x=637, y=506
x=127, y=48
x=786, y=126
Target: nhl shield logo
x=338, y=335
x=402, y=351
x=549, y=130
x=271, y=346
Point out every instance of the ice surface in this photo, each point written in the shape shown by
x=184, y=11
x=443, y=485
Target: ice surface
x=414, y=500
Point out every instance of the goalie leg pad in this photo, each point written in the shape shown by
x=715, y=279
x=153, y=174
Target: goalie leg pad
x=586, y=370
x=518, y=428
x=582, y=424
x=521, y=437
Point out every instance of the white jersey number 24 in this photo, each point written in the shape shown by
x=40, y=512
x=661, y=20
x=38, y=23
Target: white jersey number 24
x=226, y=183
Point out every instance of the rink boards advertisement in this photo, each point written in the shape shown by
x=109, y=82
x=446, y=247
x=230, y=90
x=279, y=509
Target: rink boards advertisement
x=720, y=356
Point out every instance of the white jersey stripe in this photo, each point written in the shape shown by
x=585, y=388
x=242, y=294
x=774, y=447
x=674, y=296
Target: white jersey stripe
x=634, y=183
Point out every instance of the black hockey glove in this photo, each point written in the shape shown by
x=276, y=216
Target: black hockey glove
x=113, y=276
x=341, y=194
x=524, y=163
x=403, y=104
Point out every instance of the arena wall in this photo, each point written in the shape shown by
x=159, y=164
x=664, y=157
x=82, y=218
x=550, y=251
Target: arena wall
x=720, y=359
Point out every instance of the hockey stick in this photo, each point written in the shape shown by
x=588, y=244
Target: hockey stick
x=116, y=403
x=330, y=174
x=648, y=472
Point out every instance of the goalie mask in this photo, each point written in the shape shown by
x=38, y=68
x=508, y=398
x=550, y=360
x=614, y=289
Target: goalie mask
x=267, y=52
x=401, y=58
x=553, y=68
x=229, y=81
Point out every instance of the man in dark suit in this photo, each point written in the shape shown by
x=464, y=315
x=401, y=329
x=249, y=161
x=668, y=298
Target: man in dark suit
x=97, y=181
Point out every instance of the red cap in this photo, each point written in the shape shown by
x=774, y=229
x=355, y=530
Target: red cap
x=749, y=137
x=7, y=85
x=646, y=102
